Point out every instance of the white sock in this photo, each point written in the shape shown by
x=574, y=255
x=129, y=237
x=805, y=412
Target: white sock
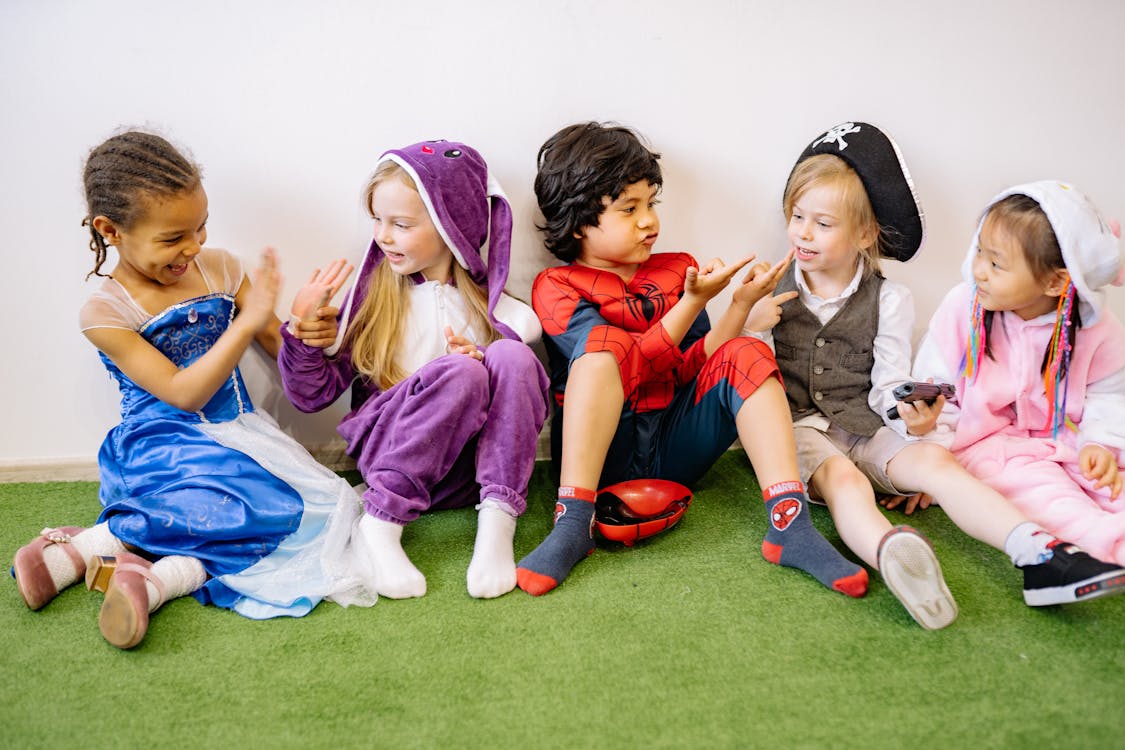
x=1027, y=544
x=180, y=575
x=492, y=571
x=395, y=576
x=96, y=540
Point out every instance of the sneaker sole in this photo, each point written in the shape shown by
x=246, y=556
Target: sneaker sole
x=1107, y=584
x=912, y=573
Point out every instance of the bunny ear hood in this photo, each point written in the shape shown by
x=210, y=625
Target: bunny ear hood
x=1090, y=245
x=882, y=170
x=470, y=211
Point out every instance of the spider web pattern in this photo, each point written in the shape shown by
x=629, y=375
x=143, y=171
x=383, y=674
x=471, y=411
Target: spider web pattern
x=587, y=310
x=743, y=363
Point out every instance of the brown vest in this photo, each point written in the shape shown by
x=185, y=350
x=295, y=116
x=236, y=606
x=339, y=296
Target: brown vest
x=827, y=368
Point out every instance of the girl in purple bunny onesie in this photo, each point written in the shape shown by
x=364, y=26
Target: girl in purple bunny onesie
x=1039, y=364
x=447, y=398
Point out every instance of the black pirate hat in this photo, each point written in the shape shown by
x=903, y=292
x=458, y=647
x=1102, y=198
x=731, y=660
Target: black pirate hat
x=881, y=168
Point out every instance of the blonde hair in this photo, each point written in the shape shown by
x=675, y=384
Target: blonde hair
x=826, y=170
x=377, y=327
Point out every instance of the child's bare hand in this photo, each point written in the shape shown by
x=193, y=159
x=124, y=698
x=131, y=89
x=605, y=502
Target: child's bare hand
x=320, y=331
x=1097, y=463
x=265, y=283
x=461, y=345
x=920, y=418
x=712, y=278
x=909, y=503
x=319, y=290
x=761, y=280
x=766, y=312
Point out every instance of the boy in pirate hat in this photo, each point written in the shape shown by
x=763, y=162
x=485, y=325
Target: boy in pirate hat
x=843, y=344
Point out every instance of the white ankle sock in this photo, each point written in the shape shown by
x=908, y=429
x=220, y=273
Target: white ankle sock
x=96, y=540
x=492, y=571
x=1027, y=544
x=180, y=575
x=395, y=576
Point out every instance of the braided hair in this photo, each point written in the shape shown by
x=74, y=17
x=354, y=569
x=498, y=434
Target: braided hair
x=121, y=172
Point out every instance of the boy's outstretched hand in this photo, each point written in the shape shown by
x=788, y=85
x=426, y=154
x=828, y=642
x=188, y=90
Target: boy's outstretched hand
x=919, y=417
x=908, y=503
x=712, y=278
x=761, y=280
x=765, y=310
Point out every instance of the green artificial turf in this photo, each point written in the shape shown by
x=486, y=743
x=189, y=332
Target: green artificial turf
x=688, y=640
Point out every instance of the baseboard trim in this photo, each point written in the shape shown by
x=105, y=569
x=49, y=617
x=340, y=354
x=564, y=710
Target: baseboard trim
x=80, y=469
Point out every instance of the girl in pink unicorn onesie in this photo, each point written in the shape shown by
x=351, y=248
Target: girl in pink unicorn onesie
x=1039, y=363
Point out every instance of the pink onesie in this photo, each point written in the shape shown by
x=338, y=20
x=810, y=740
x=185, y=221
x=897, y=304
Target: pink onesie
x=1000, y=428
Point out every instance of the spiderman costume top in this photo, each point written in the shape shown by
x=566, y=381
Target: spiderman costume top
x=586, y=310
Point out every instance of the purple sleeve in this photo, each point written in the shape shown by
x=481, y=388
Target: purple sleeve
x=311, y=380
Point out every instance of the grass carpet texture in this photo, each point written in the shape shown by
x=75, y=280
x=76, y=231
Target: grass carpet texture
x=687, y=640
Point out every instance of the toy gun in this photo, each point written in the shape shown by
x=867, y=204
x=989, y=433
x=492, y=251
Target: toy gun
x=927, y=392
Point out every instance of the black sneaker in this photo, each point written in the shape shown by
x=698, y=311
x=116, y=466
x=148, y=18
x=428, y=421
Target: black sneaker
x=1070, y=575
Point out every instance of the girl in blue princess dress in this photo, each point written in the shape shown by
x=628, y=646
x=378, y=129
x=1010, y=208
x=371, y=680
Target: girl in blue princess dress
x=217, y=500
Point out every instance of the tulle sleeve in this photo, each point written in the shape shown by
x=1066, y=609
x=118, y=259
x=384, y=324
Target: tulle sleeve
x=222, y=270
x=110, y=307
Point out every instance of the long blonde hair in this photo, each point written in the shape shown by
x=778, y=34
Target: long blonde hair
x=831, y=171
x=376, y=330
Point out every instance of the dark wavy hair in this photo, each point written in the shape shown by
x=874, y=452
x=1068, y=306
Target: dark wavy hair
x=124, y=171
x=581, y=165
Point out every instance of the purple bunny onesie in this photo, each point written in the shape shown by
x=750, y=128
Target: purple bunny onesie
x=456, y=428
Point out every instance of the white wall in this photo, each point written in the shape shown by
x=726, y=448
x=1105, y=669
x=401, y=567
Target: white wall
x=287, y=104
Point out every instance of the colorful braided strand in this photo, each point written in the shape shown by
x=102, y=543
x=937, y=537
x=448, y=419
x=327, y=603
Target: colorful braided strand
x=975, y=345
x=1056, y=375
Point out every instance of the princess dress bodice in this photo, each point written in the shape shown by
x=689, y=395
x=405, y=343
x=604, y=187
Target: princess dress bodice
x=183, y=333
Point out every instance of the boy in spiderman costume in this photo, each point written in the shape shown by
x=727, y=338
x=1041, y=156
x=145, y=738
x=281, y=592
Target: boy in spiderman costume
x=644, y=387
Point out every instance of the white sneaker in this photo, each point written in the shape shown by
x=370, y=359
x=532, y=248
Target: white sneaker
x=912, y=573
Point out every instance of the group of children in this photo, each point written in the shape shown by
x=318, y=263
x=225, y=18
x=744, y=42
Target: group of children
x=203, y=495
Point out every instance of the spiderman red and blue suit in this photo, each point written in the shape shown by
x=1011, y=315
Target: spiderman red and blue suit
x=679, y=405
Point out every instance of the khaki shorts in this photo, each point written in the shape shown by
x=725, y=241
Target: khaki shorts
x=871, y=455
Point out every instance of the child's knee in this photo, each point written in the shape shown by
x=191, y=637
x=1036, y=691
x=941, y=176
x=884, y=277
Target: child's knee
x=744, y=363
x=513, y=357
x=465, y=378
x=601, y=368
x=838, y=477
x=745, y=352
x=928, y=457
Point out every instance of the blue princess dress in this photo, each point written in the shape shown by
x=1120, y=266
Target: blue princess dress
x=272, y=527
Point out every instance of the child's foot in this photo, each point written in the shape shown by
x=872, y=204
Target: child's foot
x=395, y=576
x=793, y=541
x=46, y=565
x=571, y=540
x=133, y=592
x=492, y=571
x=1070, y=575
x=913, y=574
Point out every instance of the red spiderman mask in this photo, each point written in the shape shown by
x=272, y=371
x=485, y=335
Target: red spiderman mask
x=784, y=512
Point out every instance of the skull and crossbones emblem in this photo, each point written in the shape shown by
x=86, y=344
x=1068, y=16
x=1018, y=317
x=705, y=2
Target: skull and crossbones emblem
x=837, y=134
